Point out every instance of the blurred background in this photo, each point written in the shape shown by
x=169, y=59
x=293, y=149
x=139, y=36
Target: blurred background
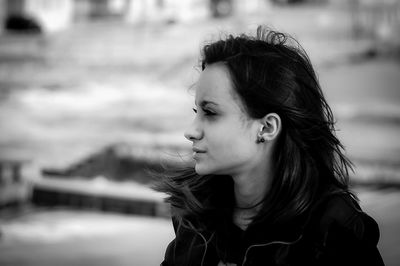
x=94, y=92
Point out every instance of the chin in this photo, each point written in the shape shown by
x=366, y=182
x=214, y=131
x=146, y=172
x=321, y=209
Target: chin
x=202, y=169
x=199, y=170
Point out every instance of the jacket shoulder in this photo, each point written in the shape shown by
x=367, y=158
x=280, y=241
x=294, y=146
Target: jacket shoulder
x=343, y=211
x=343, y=234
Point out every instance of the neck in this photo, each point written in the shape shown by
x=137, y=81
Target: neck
x=251, y=187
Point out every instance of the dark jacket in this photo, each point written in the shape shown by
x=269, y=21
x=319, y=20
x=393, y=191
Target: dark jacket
x=336, y=233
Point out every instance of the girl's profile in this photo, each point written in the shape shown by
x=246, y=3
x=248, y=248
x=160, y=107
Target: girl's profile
x=269, y=182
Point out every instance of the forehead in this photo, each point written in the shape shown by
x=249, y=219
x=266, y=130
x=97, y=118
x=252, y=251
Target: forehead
x=215, y=85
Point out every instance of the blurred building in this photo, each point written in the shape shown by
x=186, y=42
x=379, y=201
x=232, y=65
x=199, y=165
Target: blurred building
x=101, y=9
x=51, y=15
x=2, y=13
x=14, y=189
x=168, y=11
x=114, y=179
x=376, y=19
x=37, y=15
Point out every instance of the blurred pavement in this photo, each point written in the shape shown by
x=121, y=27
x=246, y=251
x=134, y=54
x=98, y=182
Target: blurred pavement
x=72, y=238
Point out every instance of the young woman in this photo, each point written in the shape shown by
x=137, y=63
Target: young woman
x=269, y=185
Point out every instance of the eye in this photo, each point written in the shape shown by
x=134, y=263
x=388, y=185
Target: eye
x=208, y=112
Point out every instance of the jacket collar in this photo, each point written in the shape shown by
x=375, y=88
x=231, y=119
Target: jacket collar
x=262, y=232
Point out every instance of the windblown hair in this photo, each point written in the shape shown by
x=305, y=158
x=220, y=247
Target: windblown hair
x=271, y=73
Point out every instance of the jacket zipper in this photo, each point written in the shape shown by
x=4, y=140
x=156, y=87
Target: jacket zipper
x=205, y=249
x=205, y=245
x=248, y=249
x=267, y=244
x=205, y=242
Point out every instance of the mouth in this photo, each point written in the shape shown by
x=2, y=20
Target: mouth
x=197, y=150
x=197, y=153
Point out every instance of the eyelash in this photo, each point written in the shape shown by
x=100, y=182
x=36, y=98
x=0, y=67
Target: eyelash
x=207, y=112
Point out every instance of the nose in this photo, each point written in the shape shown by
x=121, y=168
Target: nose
x=193, y=132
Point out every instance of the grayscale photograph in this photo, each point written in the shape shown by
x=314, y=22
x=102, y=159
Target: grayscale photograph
x=199, y=132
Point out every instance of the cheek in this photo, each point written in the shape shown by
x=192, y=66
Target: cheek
x=230, y=139
x=234, y=145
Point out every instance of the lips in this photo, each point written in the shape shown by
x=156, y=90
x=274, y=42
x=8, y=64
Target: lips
x=198, y=150
x=197, y=153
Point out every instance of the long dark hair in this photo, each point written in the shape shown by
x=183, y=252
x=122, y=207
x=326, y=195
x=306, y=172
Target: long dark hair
x=270, y=72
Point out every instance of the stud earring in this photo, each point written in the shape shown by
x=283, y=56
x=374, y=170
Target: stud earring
x=260, y=139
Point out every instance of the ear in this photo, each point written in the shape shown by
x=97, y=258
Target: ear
x=271, y=127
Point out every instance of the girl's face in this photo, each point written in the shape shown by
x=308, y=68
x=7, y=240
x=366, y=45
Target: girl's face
x=223, y=135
